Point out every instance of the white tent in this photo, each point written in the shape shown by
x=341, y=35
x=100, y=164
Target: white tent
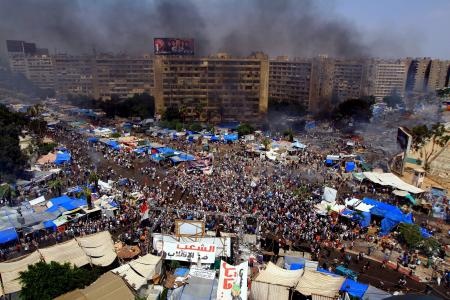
x=274, y=283
x=139, y=271
x=10, y=272
x=99, y=247
x=67, y=252
x=392, y=180
x=317, y=283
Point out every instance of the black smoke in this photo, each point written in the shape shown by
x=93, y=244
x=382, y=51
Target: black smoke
x=277, y=27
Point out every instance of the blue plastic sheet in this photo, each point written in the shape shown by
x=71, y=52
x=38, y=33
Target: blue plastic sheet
x=62, y=157
x=350, y=166
x=354, y=288
x=425, y=233
x=8, y=235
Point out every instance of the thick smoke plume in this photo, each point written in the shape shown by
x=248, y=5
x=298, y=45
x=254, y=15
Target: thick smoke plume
x=277, y=27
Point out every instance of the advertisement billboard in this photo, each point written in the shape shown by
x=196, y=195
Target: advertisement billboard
x=173, y=46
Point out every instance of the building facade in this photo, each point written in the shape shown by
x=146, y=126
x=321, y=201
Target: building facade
x=386, y=77
x=290, y=81
x=74, y=75
x=216, y=88
x=439, y=74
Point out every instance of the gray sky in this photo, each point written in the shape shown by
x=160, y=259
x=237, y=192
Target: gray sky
x=385, y=28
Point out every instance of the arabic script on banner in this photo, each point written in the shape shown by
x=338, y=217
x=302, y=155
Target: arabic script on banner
x=232, y=282
x=192, y=252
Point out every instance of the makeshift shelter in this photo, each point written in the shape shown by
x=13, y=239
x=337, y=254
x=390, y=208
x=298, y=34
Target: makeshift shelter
x=392, y=215
x=389, y=179
x=329, y=194
x=67, y=252
x=36, y=201
x=354, y=288
x=231, y=137
x=198, y=289
x=65, y=202
x=9, y=272
x=113, y=144
x=296, y=263
x=109, y=286
x=99, y=247
x=8, y=235
x=317, y=283
x=350, y=166
x=274, y=283
x=139, y=271
x=48, y=158
x=373, y=293
x=62, y=157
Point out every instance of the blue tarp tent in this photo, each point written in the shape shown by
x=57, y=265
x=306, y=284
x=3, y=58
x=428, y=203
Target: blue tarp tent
x=93, y=140
x=294, y=263
x=354, y=288
x=214, y=138
x=350, y=166
x=66, y=203
x=62, y=157
x=364, y=219
x=166, y=150
x=231, y=137
x=49, y=225
x=113, y=144
x=8, y=235
x=391, y=213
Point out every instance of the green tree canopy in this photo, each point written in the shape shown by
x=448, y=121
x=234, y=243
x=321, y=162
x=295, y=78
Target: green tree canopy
x=358, y=109
x=410, y=234
x=46, y=281
x=244, y=129
x=171, y=113
x=429, y=141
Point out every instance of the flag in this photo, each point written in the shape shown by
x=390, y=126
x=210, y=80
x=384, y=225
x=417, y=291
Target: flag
x=143, y=209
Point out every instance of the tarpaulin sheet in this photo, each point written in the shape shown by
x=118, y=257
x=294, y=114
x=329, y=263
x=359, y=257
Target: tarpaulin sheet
x=354, y=288
x=166, y=150
x=113, y=144
x=10, y=272
x=278, y=276
x=425, y=233
x=313, y=282
x=391, y=180
x=8, y=235
x=231, y=137
x=198, y=289
x=349, y=166
x=62, y=157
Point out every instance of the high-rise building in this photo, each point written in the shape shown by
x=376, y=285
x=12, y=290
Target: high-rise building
x=40, y=71
x=122, y=76
x=290, y=81
x=418, y=74
x=439, y=74
x=386, y=77
x=216, y=88
x=74, y=74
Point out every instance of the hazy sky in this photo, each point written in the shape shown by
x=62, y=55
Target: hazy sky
x=424, y=25
x=385, y=28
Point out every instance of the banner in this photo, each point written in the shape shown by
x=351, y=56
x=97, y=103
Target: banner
x=173, y=46
x=232, y=282
x=202, y=273
x=191, y=252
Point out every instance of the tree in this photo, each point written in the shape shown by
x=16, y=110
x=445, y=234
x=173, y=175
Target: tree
x=171, y=113
x=411, y=234
x=266, y=143
x=56, y=185
x=88, y=194
x=393, y=99
x=49, y=280
x=93, y=178
x=7, y=193
x=244, y=129
x=429, y=141
x=358, y=109
x=289, y=134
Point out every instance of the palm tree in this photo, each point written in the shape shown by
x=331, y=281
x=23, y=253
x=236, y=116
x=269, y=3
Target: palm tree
x=94, y=178
x=56, y=185
x=88, y=194
x=266, y=144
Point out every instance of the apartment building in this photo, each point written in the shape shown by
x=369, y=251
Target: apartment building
x=122, y=75
x=40, y=71
x=386, y=77
x=74, y=74
x=439, y=74
x=216, y=88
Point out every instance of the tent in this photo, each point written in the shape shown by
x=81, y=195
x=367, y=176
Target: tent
x=62, y=157
x=99, y=247
x=36, y=201
x=230, y=137
x=139, y=271
x=274, y=283
x=107, y=287
x=354, y=288
x=9, y=272
x=390, y=179
x=67, y=252
x=167, y=151
x=92, y=139
x=66, y=203
x=113, y=144
x=318, y=283
x=198, y=289
x=8, y=235
x=373, y=293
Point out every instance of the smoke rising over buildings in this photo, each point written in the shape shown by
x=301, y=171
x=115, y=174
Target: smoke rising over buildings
x=292, y=27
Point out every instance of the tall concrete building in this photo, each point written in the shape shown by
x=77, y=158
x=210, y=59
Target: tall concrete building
x=40, y=71
x=74, y=74
x=439, y=74
x=290, y=81
x=122, y=76
x=216, y=88
x=386, y=77
x=418, y=74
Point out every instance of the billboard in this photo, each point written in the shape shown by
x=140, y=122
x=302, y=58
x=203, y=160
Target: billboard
x=404, y=139
x=232, y=281
x=173, y=46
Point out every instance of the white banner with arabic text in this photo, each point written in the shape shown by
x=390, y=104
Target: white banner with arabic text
x=191, y=252
x=232, y=281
